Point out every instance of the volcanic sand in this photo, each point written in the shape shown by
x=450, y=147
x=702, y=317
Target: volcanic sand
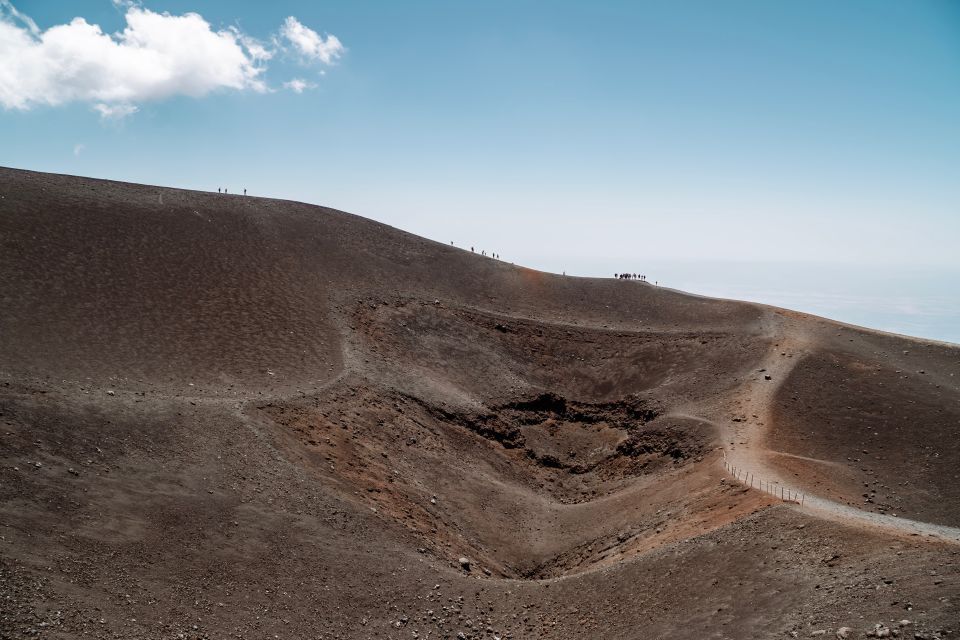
x=240, y=417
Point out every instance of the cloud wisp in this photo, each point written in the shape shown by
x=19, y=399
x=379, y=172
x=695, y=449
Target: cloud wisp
x=156, y=56
x=310, y=44
x=27, y=21
x=115, y=111
x=298, y=85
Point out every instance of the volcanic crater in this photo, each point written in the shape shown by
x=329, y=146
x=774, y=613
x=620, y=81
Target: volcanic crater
x=224, y=416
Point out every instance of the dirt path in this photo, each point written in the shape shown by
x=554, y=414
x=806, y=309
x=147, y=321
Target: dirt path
x=744, y=433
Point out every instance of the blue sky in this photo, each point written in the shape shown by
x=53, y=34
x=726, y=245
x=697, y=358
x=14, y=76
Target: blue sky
x=568, y=136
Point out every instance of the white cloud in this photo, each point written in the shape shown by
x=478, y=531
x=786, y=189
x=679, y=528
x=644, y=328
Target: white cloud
x=310, y=44
x=298, y=85
x=115, y=111
x=256, y=49
x=26, y=20
x=78, y=149
x=156, y=56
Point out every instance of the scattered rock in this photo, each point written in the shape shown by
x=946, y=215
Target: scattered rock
x=879, y=631
x=464, y=563
x=844, y=632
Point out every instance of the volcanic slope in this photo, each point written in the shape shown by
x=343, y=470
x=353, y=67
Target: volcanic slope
x=227, y=416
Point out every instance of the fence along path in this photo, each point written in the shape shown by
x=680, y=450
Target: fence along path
x=843, y=513
x=744, y=454
x=774, y=488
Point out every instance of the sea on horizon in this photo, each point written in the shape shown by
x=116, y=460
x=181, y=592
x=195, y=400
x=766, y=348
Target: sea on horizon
x=917, y=301
x=922, y=302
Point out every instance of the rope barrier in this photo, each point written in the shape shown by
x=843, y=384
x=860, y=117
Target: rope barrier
x=777, y=490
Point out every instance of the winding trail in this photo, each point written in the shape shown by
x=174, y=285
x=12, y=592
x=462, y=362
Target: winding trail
x=743, y=440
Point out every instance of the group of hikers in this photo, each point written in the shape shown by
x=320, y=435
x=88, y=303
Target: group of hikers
x=495, y=256
x=225, y=190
